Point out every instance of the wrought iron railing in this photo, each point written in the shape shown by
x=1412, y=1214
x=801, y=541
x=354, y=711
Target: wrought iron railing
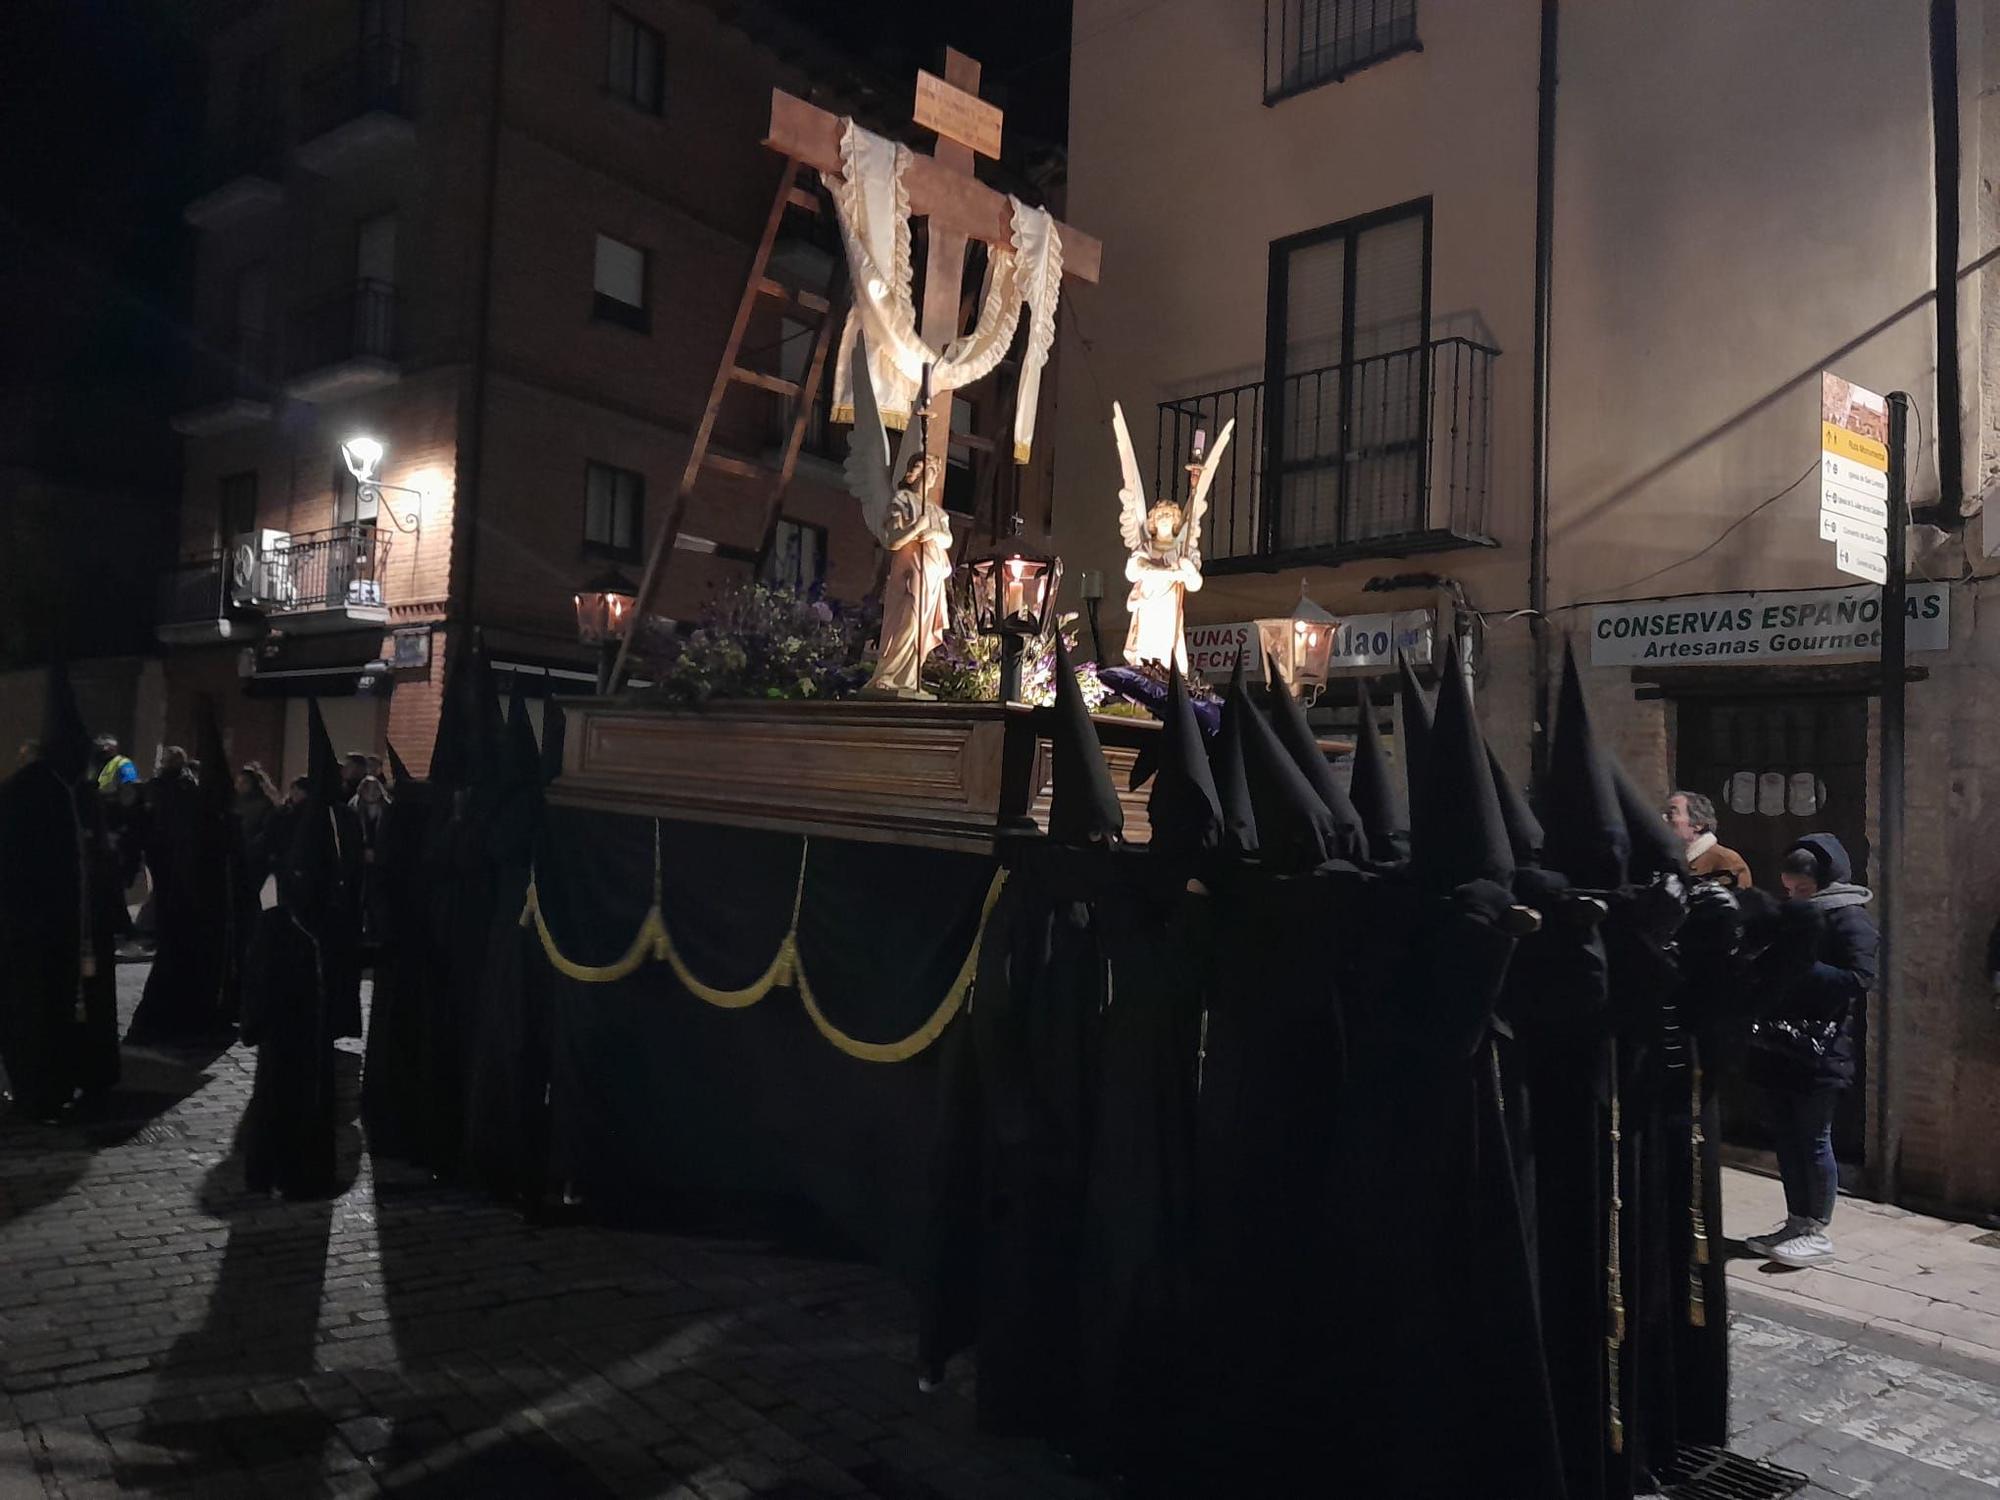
x=241, y=369
x=194, y=591
x=344, y=567
x=1311, y=42
x=379, y=76
x=358, y=322
x=1384, y=454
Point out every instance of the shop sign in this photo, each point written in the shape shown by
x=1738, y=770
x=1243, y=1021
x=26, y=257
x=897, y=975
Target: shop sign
x=1755, y=629
x=1363, y=643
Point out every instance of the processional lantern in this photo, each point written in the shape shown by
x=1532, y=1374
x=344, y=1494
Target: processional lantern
x=1298, y=646
x=1013, y=597
x=603, y=612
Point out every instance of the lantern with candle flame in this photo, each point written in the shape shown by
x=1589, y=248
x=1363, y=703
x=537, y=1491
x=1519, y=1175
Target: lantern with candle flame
x=1013, y=594
x=603, y=613
x=1297, y=646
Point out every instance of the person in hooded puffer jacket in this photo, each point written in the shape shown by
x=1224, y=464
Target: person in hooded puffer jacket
x=1819, y=969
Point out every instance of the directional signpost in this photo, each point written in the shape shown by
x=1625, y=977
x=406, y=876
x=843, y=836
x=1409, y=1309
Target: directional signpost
x=1854, y=477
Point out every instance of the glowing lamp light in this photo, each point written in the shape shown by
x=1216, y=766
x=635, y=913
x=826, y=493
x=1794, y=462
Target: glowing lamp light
x=1013, y=596
x=604, y=608
x=363, y=455
x=1298, y=646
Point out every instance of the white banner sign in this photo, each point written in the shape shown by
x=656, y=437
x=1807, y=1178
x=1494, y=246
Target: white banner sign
x=1757, y=628
x=1362, y=642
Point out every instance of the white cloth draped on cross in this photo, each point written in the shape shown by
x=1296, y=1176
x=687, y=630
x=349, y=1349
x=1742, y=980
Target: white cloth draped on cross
x=874, y=211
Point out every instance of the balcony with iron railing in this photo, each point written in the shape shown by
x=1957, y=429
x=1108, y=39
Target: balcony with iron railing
x=230, y=387
x=1384, y=456
x=242, y=173
x=346, y=343
x=362, y=102
x=304, y=582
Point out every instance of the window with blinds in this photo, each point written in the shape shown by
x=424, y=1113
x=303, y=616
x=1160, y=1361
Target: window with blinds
x=1311, y=42
x=1347, y=370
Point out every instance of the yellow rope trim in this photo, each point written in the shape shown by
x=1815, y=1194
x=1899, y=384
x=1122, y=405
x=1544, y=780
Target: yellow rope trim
x=932, y=1029
x=653, y=941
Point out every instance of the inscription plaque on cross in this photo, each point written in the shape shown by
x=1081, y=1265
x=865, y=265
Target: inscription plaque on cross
x=942, y=189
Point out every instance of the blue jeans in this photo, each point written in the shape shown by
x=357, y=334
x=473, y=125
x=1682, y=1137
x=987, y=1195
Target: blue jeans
x=1802, y=1126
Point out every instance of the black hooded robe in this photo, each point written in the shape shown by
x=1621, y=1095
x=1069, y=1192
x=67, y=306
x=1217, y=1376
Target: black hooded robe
x=59, y=901
x=188, y=855
x=290, y=1124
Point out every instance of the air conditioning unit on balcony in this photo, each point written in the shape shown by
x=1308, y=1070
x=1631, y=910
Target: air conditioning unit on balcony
x=260, y=569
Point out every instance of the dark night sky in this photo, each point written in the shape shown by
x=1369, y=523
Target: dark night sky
x=1023, y=46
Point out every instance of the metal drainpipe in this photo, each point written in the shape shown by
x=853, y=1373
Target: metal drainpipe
x=1538, y=544
x=472, y=434
x=1945, y=170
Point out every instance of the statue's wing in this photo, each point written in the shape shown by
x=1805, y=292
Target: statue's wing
x=869, y=478
x=1198, y=501
x=1132, y=491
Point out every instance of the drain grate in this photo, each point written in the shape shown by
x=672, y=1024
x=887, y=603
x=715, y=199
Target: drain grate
x=1698, y=1473
x=135, y=1133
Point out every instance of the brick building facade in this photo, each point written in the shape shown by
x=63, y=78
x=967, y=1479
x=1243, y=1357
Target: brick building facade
x=505, y=241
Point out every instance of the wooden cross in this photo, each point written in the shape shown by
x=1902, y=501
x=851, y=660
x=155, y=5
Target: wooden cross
x=942, y=188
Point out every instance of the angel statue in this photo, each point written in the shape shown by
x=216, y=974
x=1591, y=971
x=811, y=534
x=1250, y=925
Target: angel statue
x=1165, y=562
x=896, y=503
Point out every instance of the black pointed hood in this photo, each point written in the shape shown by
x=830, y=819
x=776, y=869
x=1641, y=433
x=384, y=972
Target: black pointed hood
x=1232, y=781
x=1460, y=835
x=1654, y=849
x=1376, y=791
x=322, y=765
x=1295, y=832
x=555, y=733
x=397, y=770
x=1419, y=713
x=1586, y=835
x=451, y=753
x=1183, y=807
x=65, y=741
x=488, y=739
x=1524, y=829
x=1083, y=805
x=218, y=785
x=1288, y=718
x=524, y=754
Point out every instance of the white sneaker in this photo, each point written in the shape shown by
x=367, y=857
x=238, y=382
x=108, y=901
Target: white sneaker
x=1807, y=1249
x=1760, y=1244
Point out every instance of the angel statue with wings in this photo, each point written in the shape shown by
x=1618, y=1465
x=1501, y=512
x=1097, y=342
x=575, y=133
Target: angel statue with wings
x=1165, y=562
x=896, y=503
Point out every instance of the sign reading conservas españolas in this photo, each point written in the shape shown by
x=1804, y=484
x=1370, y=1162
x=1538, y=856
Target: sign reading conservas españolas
x=1759, y=628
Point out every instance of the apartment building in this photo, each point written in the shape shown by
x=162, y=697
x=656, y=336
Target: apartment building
x=1321, y=221
x=503, y=243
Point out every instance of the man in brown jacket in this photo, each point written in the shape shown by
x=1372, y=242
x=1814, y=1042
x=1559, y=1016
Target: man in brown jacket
x=1692, y=816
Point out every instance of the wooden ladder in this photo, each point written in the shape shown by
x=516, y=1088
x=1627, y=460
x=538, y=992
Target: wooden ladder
x=792, y=194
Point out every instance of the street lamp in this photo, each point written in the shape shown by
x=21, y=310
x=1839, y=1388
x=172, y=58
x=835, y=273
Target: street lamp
x=1298, y=646
x=363, y=456
x=603, y=608
x=1013, y=594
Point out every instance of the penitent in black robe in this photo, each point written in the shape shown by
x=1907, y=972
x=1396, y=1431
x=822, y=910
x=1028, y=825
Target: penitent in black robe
x=188, y=856
x=58, y=909
x=392, y=1107
x=289, y=1127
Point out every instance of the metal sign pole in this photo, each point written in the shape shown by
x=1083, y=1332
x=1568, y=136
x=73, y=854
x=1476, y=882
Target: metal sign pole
x=1890, y=852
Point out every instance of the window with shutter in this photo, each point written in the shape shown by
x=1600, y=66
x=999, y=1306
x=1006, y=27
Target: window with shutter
x=635, y=63
x=613, y=506
x=620, y=285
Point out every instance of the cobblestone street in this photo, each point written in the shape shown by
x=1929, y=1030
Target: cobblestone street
x=163, y=1332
